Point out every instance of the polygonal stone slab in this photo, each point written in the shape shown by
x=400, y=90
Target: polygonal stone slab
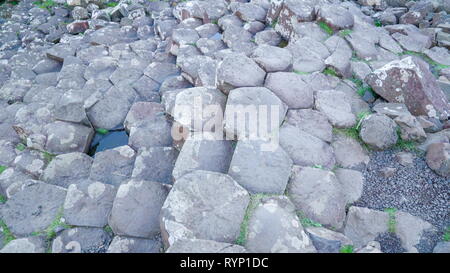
x=137, y=207
x=122, y=244
x=65, y=137
x=204, y=246
x=81, y=240
x=113, y=166
x=260, y=170
x=155, y=164
x=203, y=205
x=27, y=211
x=66, y=169
x=88, y=203
x=275, y=228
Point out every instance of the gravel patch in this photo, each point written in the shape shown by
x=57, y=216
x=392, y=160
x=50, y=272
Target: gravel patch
x=390, y=243
x=414, y=189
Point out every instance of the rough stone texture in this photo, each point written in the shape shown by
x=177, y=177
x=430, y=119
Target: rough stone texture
x=410, y=82
x=275, y=228
x=312, y=122
x=378, y=131
x=25, y=245
x=364, y=225
x=327, y=241
x=238, y=71
x=203, y=246
x=349, y=153
x=113, y=166
x=81, y=240
x=155, y=164
x=317, y=193
x=121, y=244
x=336, y=106
x=351, y=182
x=26, y=211
x=63, y=137
x=259, y=170
x=88, y=204
x=203, y=152
x=136, y=208
x=438, y=158
x=305, y=149
x=410, y=230
x=203, y=205
x=291, y=89
x=66, y=169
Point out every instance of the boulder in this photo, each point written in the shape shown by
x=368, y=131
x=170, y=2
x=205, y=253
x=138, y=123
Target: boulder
x=409, y=81
x=203, y=205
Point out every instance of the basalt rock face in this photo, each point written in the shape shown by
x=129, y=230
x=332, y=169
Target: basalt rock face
x=218, y=126
x=409, y=81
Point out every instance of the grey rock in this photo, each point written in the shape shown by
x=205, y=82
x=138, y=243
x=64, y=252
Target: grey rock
x=81, y=240
x=67, y=169
x=204, y=246
x=88, y=203
x=137, y=207
x=203, y=205
x=258, y=169
x=349, y=153
x=327, y=241
x=155, y=164
x=336, y=106
x=275, y=228
x=25, y=245
x=378, y=131
x=26, y=211
x=351, y=182
x=272, y=58
x=238, y=71
x=203, y=152
x=122, y=244
x=312, y=122
x=291, y=89
x=113, y=166
x=317, y=193
x=438, y=158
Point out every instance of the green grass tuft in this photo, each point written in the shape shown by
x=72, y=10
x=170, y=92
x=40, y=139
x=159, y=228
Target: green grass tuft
x=446, y=236
x=346, y=249
x=111, y=4
x=329, y=71
x=378, y=23
x=102, y=131
x=307, y=222
x=2, y=168
x=345, y=32
x=2, y=199
x=325, y=27
x=21, y=147
x=353, y=132
x=300, y=72
x=392, y=222
x=48, y=156
x=7, y=234
x=50, y=231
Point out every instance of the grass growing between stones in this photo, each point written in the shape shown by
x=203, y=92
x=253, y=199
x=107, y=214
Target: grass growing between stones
x=346, y=249
x=345, y=32
x=48, y=156
x=7, y=234
x=406, y=145
x=2, y=168
x=111, y=4
x=255, y=200
x=446, y=236
x=361, y=87
x=47, y=4
x=392, y=223
x=436, y=67
x=300, y=72
x=108, y=229
x=307, y=222
x=329, y=71
x=21, y=147
x=325, y=27
x=51, y=230
x=353, y=132
x=2, y=199
x=102, y=131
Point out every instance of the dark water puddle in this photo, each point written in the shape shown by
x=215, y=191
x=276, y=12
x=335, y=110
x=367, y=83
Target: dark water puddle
x=107, y=141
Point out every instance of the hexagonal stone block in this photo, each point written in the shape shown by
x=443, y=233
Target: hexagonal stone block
x=318, y=195
x=137, y=207
x=67, y=169
x=202, y=152
x=259, y=170
x=26, y=211
x=237, y=70
x=155, y=164
x=88, y=203
x=275, y=228
x=203, y=205
x=81, y=240
x=65, y=137
x=35, y=244
x=113, y=166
